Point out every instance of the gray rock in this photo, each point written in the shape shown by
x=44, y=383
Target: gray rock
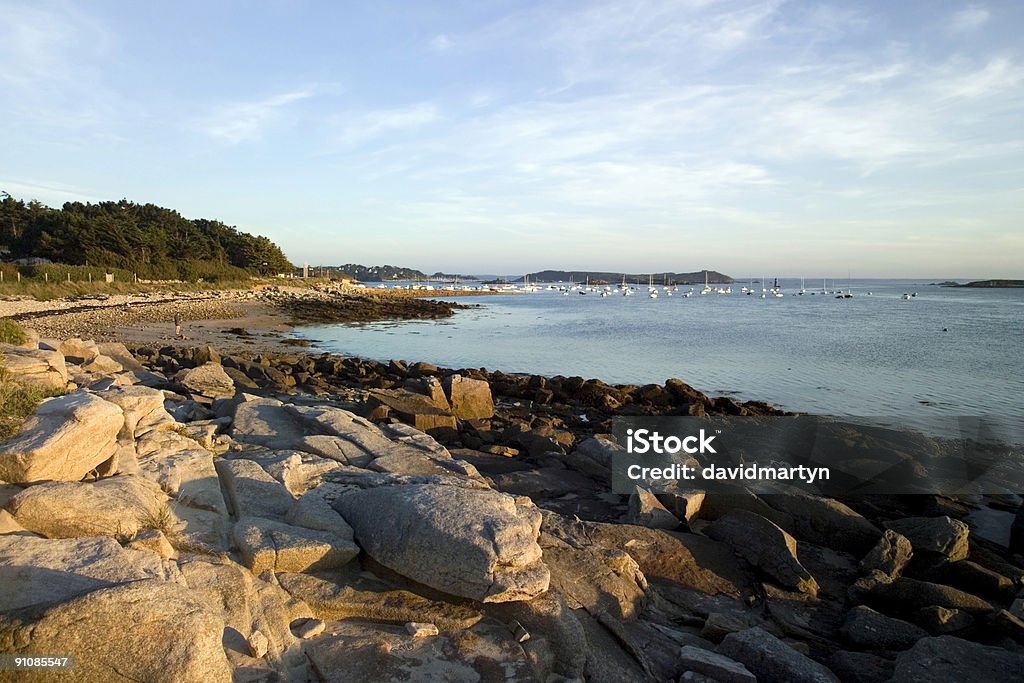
x=946, y=658
x=827, y=522
x=141, y=406
x=144, y=652
x=646, y=510
x=248, y=604
x=688, y=560
x=266, y=422
x=38, y=570
x=860, y=667
x=299, y=471
x=182, y=469
x=334, y=448
x=942, y=535
x=314, y=510
x=770, y=659
x=251, y=491
x=715, y=666
x=119, y=507
x=475, y=543
x=890, y=555
x=208, y=380
x=593, y=457
x=543, y=482
x=867, y=628
x=597, y=579
x=912, y=594
x=942, y=620
x=65, y=439
x=764, y=545
x=268, y=545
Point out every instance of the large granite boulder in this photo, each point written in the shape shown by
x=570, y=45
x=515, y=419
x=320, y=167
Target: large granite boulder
x=825, y=521
x=126, y=633
x=40, y=570
x=266, y=422
x=470, y=399
x=770, y=659
x=35, y=367
x=414, y=409
x=143, y=409
x=764, y=545
x=890, y=555
x=947, y=658
x=864, y=627
x=65, y=439
x=207, y=380
x=268, y=545
x=119, y=507
x=78, y=351
x=471, y=542
x=252, y=492
x=939, y=535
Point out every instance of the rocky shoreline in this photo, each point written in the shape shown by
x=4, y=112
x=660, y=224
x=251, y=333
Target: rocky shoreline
x=301, y=516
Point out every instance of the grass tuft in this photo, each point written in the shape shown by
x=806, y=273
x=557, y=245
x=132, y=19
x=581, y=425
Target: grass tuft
x=17, y=402
x=11, y=332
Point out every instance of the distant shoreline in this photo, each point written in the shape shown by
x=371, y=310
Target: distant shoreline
x=985, y=284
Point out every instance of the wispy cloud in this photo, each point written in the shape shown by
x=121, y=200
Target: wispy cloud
x=248, y=121
x=48, y=192
x=362, y=126
x=969, y=19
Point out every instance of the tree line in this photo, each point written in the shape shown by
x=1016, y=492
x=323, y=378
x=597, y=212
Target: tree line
x=152, y=241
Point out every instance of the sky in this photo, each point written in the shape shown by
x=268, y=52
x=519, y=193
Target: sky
x=747, y=136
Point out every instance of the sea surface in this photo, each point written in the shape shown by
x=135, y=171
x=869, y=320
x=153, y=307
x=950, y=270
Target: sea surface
x=946, y=352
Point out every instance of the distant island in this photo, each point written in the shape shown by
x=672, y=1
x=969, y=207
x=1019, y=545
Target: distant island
x=598, y=277
x=988, y=284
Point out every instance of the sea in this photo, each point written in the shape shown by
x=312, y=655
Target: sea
x=895, y=348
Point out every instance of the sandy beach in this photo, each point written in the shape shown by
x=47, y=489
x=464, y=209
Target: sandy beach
x=232, y=320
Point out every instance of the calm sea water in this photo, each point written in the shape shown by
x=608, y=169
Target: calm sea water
x=947, y=351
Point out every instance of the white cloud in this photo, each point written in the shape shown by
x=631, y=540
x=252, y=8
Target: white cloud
x=969, y=19
x=49, y=193
x=357, y=128
x=998, y=76
x=239, y=122
x=441, y=43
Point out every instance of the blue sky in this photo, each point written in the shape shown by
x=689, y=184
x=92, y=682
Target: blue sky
x=798, y=138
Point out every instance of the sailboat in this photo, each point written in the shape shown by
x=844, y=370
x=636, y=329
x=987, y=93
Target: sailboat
x=802, y=288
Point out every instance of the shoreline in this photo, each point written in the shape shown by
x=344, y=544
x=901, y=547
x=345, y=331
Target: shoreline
x=241, y=319
x=270, y=474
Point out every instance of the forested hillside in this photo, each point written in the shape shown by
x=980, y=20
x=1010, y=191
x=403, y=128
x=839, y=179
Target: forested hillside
x=154, y=242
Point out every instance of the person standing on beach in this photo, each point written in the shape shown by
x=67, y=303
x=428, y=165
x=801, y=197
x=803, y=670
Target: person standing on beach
x=177, y=325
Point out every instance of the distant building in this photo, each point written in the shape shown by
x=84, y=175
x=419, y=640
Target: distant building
x=32, y=261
